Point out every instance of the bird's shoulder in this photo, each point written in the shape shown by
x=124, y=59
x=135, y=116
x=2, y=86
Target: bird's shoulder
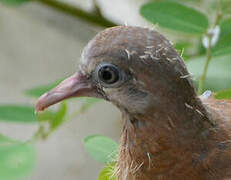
x=220, y=112
x=219, y=108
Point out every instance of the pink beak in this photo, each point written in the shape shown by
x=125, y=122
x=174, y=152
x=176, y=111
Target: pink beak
x=75, y=86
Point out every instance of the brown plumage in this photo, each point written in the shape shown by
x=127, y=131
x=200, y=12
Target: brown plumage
x=169, y=132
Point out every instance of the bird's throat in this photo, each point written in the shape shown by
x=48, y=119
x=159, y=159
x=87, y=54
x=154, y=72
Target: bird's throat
x=161, y=143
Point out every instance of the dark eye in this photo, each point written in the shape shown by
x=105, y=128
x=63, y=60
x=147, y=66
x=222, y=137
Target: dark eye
x=109, y=74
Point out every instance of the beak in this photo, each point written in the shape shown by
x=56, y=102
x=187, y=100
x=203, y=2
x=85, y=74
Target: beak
x=77, y=85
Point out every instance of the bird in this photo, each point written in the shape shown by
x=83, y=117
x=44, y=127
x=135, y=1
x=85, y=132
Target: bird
x=169, y=131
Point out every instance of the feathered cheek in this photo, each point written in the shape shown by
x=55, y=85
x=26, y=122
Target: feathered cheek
x=132, y=100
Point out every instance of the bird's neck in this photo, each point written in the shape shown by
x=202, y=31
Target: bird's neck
x=163, y=140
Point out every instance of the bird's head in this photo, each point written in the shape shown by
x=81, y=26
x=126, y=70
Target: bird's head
x=134, y=68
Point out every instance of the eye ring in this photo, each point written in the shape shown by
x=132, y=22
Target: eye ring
x=109, y=75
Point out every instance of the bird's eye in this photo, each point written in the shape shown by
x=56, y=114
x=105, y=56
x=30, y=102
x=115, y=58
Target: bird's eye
x=108, y=74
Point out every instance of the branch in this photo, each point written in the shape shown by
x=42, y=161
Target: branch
x=94, y=18
x=96, y=10
x=209, y=49
x=208, y=59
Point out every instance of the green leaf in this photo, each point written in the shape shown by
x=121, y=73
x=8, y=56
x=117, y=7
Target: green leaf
x=88, y=103
x=107, y=173
x=40, y=90
x=59, y=116
x=13, y=2
x=17, y=113
x=17, y=159
x=226, y=7
x=225, y=27
x=45, y=116
x=218, y=76
x=175, y=16
x=183, y=48
x=5, y=140
x=182, y=45
x=225, y=94
x=223, y=47
x=101, y=148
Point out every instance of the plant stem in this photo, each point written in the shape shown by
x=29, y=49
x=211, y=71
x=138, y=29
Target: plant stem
x=208, y=59
x=219, y=13
x=209, y=49
x=96, y=9
x=92, y=17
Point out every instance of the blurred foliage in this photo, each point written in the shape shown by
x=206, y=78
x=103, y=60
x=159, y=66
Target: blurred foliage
x=209, y=64
x=218, y=76
x=101, y=148
x=175, y=16
x=225, y=26
x=13, y=2
x=225, y=94
x=17, y=159
x=184, y=48
x=20, y=113
x=223, y=47
x=226, y=6
x=88, y=102
x=108, y=172
x=38, y=91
